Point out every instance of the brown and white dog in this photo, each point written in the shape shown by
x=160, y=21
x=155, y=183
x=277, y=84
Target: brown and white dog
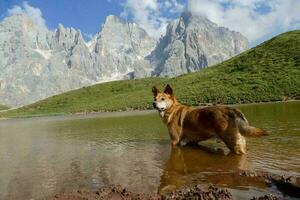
x=197, y=124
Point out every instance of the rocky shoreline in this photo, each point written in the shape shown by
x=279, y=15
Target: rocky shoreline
x=288, y=185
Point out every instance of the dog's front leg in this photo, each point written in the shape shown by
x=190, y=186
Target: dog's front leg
x=175, y=134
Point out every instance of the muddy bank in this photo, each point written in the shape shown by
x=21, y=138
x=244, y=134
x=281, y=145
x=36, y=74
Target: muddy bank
x=118, y=193
x=288, y=185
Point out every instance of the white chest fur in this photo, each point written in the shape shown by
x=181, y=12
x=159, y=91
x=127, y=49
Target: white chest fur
x=162, y=113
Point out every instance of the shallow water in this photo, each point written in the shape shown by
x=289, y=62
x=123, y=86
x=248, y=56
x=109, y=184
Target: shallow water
x=44, y=156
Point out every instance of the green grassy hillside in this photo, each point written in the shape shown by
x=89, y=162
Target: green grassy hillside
x=268, y=72
x=3, y=107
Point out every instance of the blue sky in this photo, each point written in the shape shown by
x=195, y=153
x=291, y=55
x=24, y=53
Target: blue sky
x=86, y=15
x=258, y=20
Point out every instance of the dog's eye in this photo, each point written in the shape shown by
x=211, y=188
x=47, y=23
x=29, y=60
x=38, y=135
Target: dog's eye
x=162, y=99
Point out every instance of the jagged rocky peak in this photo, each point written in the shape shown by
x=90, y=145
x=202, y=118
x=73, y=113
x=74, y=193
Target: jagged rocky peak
x=114, y=19
x=120, y=44
x=125, y=37
x=193, y=42
x=33, y=66
x=238, y=41
x=68, y=37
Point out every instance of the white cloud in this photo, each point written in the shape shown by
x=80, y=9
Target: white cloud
x=151, y=14
x=34, y=13
x=88, y=36
x=256, y=19
x=171, y=6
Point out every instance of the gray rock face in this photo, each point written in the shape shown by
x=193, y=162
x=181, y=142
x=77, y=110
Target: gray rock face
x=192, y=43
x=36, y=63
x=120, y=47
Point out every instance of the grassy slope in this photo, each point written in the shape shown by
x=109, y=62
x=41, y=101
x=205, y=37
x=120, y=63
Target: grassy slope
x=3, y=107
x=268, y=72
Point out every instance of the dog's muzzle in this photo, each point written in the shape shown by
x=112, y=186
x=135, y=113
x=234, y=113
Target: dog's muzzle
x=157, y=108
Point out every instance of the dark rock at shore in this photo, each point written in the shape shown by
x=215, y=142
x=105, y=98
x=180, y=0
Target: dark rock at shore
x=289, y=185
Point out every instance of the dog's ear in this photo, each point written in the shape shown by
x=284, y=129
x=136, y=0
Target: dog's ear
x=155, y=91
x=168, y=90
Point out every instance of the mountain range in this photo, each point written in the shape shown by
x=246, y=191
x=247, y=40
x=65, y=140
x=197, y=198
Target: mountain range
x=36, y=62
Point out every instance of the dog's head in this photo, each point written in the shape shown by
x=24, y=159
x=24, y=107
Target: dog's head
x=163, y=100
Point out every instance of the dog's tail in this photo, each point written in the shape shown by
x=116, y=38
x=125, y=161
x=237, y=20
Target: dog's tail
x=244, y=127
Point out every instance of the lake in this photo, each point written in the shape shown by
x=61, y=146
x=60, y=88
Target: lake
x=40, y=157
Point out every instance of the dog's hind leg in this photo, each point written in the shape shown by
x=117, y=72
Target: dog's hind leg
x=234, y=140
x=239, y=144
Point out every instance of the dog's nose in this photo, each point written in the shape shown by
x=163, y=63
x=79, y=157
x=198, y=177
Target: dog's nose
x=154, y=105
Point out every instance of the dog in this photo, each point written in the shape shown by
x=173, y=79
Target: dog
x=192, y=124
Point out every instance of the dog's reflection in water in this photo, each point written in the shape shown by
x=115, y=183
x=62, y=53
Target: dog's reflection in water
x=199, y=163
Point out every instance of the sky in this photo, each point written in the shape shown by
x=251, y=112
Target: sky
x=258, y=20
